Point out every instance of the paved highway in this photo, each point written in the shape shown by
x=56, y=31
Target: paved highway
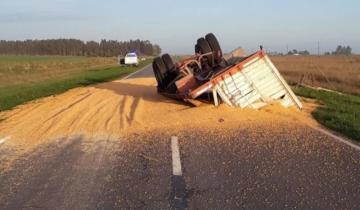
x=120, y=156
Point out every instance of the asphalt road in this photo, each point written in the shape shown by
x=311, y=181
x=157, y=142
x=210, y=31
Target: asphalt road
x=251, y=166
x=146, y=72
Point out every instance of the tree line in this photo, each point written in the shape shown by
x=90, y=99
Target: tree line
x=296, y=52
x=341, y=50
x=75, y=47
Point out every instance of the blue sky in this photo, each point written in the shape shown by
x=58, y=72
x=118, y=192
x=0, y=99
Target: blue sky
x=175, y=25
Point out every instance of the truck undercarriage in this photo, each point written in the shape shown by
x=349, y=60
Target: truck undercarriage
x=247, y=82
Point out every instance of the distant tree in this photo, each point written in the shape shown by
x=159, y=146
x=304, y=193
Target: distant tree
x=348, y=50
x=305, y=52
x=156, y=50
x=296, y=52
x=342, y=50
x=275, y=53
x=74, y=47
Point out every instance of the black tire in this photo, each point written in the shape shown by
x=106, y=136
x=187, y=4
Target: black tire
x=169, y=64
x=158, y=78
x=159, y=65
x=159, y=71
x=215, y=46
x=197, y=50
x=204, y=48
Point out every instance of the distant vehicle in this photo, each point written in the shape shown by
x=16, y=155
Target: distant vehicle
x=131, y=59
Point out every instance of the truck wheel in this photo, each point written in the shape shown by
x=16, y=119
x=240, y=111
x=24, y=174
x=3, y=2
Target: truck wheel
x=205, y=48
x=197, y=50
x=159, y=70
x=169, y=64
x=215, y=46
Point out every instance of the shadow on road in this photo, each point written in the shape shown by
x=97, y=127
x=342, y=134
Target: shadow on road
x=132, y=92
x=141, y=91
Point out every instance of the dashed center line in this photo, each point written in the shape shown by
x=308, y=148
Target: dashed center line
x=3, y=140
x=176, y=162
x=178, y=192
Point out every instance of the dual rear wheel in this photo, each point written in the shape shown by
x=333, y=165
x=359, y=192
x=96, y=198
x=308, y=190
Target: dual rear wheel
x=164, y=67
x=207, y=45
x=164, y=70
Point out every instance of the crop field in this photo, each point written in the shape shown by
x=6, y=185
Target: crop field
x=340, y=73
x=15, y=70
x=339, y=112
x=25, y=78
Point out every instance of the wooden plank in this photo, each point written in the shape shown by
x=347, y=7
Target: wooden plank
x=271, y=89
x=288, y=89
x=245, y=100
x=223, y=96
x=268, y=82
x=279, y=94
x=215, y=96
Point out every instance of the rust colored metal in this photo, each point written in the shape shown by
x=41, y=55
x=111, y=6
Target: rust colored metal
x=251, y=81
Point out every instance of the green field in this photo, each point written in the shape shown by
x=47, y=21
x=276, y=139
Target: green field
x=26, y=78
x=339, y=112
x=31, y=69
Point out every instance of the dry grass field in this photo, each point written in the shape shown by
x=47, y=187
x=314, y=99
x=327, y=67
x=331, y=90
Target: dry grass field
x=339, y=112
x=25, y=78
x=340, y=73
x=15, y=70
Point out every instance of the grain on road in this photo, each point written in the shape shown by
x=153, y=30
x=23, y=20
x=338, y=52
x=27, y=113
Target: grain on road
x=107, y=147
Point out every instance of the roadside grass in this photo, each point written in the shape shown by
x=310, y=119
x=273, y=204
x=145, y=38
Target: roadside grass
x=20, y=70
x=339, y=112
x=13, y=95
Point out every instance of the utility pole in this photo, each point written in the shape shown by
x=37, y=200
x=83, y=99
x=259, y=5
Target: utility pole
x=287, y=49
x=318, y=48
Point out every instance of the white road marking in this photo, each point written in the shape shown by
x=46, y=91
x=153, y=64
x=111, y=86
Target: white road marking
x=132, y=74
x=176, y=163
x=3, y=140
x=347, y=142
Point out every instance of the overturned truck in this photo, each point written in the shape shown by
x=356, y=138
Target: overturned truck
x=246, y=82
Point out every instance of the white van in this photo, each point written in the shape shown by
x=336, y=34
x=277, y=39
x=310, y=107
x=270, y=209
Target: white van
x=131, y=59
